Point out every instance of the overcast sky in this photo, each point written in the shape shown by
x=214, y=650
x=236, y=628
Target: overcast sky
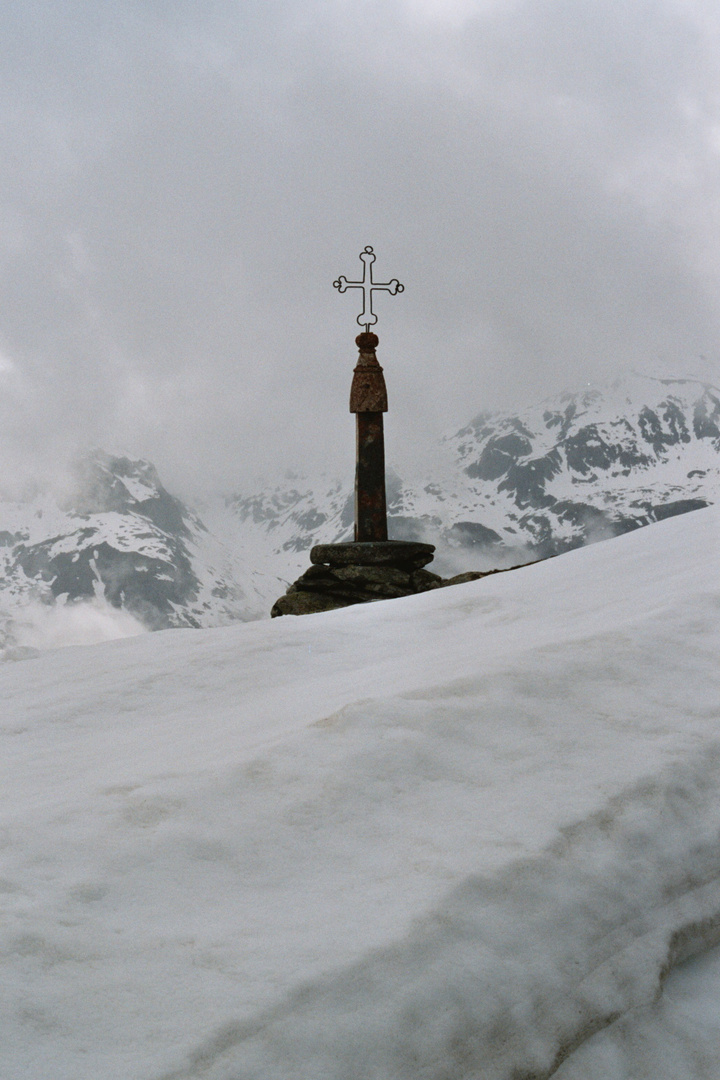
x=182, y=180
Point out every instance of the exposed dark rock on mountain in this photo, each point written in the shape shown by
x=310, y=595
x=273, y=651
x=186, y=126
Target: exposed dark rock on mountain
x=473, y=534
x=504, y=490
x=120, y=535
x=585, y=467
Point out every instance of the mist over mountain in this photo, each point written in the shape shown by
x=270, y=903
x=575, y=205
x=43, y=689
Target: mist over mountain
x=570, y=470
x=118, y=536
x=583, y=467
x=505, y=488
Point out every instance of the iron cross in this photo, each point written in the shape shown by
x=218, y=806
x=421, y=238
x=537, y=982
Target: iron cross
x=367, y=317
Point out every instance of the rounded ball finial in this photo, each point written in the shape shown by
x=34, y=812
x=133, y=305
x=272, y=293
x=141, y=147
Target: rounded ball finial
x=367, y=341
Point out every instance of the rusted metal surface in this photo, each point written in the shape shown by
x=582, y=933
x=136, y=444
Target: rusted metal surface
x=370, y=504
x=368, y=392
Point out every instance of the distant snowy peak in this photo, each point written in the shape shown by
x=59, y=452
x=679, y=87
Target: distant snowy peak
x=573, y=469
x=118, y=534
x=590, y=461
x=592, y=432
x=105, y=484
x=302, y=508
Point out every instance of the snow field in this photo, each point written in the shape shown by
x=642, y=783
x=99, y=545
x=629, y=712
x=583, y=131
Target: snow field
x=446, y=836
x=677, y=1035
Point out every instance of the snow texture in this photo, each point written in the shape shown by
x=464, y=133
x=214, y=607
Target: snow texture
x=677, y=1036
x=464, y=834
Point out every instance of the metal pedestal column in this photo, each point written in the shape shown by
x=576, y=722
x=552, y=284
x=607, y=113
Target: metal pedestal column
x=368, y=400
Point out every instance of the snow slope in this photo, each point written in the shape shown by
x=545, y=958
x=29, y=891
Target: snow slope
x=676, y=1036
x=449, y=836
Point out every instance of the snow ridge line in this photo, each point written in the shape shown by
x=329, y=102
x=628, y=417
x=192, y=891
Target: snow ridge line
x=510, y=973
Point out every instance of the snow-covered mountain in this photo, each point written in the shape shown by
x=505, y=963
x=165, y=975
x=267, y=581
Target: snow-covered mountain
x=116, y=533
x=502, y=490
x=565, y=472
x=589, y=465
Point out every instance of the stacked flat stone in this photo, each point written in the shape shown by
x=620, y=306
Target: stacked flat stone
x=360, y=572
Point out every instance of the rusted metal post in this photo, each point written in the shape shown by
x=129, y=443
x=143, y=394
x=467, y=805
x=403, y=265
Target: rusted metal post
x=368, y=400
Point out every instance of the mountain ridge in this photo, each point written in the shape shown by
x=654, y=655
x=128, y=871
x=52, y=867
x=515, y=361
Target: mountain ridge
x=564, y=472
x=503, y=489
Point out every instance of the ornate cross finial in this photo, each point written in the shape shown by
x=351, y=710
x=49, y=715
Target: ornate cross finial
x=367, y=317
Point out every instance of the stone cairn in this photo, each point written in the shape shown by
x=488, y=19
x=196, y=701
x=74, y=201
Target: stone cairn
x=357, y=573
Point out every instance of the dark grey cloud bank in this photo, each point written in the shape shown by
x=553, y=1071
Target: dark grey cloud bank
x=180, y=183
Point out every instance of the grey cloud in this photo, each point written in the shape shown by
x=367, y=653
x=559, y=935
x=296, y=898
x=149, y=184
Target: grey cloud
x=182, y=182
